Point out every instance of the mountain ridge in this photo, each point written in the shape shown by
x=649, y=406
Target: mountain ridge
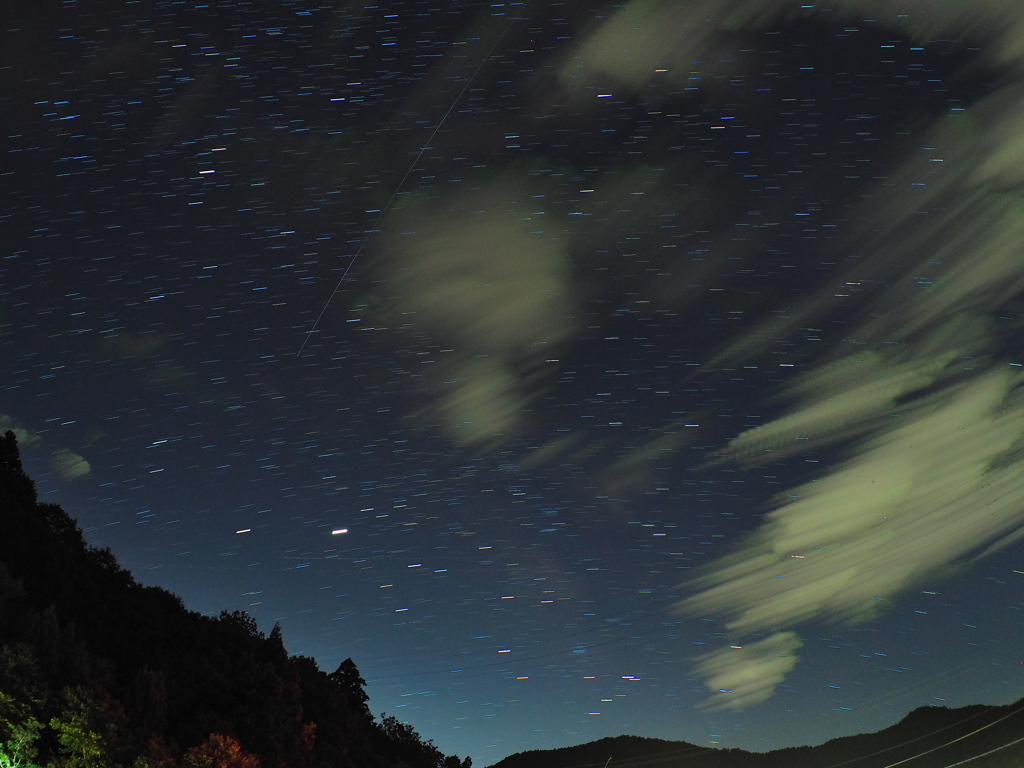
x=99, y=671
x=975, y=736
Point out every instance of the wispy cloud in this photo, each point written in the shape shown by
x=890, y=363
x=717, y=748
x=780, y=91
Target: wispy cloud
x=68, y=464
x=911, y=499
x=125, y=344
x=923, y=401
x=743, y=676
x=651, y=40
x=481, y=285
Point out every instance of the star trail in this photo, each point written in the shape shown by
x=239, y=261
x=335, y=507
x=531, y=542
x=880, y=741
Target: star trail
x=576, y=369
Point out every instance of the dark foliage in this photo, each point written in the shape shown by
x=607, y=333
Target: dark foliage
x=98, y=671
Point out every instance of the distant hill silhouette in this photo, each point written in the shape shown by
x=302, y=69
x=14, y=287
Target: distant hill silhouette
x=929, y=737
x=98, y=671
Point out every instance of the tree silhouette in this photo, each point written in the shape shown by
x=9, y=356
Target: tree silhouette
x=18, y=488
x=97, y=671
x=352, y=685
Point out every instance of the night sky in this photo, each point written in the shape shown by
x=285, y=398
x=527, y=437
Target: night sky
x=576, y=368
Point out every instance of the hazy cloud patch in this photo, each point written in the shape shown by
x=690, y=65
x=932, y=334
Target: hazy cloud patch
x=26, y=438
x=66, y=463
x=650, y=40
x=742, y=676
x=125, y=344
x=912, y=500
x=922, y=397
x=70, y=465
x=483, y=278
x=838, y=401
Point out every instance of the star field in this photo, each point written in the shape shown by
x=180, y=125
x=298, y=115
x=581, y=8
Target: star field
x=528, y=353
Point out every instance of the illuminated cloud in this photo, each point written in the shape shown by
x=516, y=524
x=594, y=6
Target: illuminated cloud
x=742, y=676
x=479, y=402
x=70, y=465
x=66, y=463
x=481, y=285
x=657, y=40
x=26, y=438
x=921, y=399
x=913, y=499
x=838, y=401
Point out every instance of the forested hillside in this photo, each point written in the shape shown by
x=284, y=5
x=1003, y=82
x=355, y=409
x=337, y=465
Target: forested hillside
x=98, y=671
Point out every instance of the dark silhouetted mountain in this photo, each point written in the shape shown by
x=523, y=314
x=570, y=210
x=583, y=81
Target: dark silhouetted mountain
x=98, y=671
x=928, y=737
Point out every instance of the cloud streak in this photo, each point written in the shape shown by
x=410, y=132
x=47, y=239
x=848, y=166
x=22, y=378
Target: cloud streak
x=747, y=675
x=923, y=401
x=486, y=285
x=920, y=398
x=912, y=499
x=68, y=464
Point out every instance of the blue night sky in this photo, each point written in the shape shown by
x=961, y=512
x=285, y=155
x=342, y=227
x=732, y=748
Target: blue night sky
x=578, y=369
